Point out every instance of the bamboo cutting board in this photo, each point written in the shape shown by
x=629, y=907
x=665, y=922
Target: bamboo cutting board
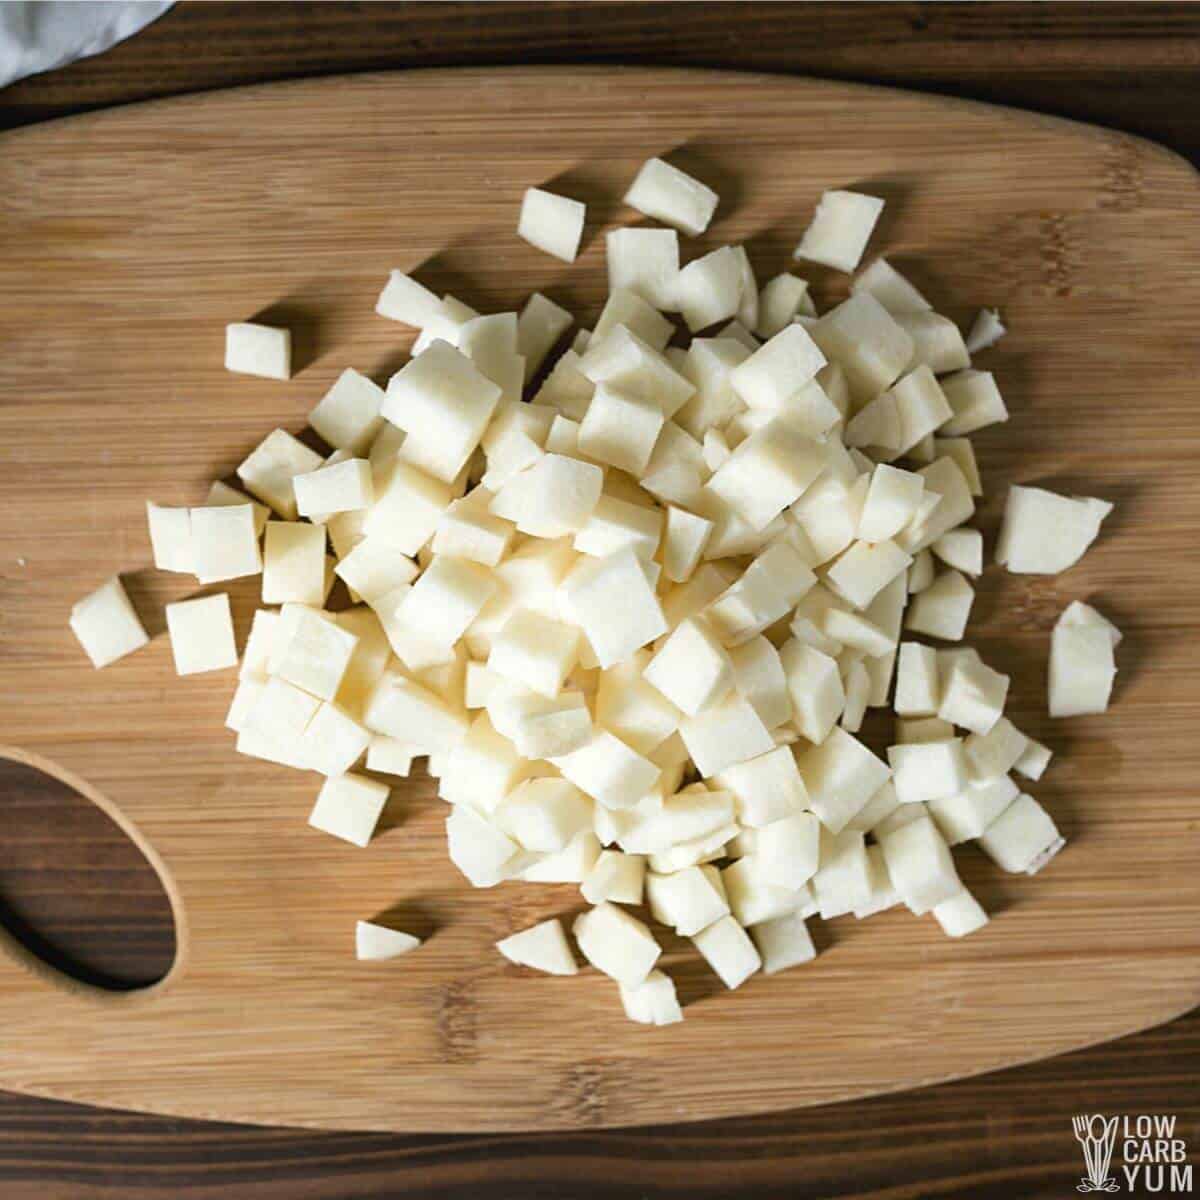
x=131, y=237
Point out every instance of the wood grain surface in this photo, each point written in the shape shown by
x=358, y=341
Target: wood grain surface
x=1018, y=1141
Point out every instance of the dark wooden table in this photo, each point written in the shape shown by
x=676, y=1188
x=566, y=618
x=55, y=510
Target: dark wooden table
x=71, y=884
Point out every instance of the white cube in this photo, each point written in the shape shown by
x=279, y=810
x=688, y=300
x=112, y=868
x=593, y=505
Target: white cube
x=349, y=807
x=840, y=229
x=709, y=288
x=995, y=753
x=976, y=401
x=724, y=734
x=784, y=942
x=672, y=196
x=270, y=468
x=484, y=854
x=767, y=472
x=343, y=487
x=609, y=771
x=767, y=789
x=616, y=943
x=973, y=695
x=961, y=549
x=336, y=741
x=758, y=675
x=447, y=598
x=653, y=1001
x=864, y=338
x=841, y=776
x=890, y=288
x=815, y=687
x=614, y=603
x=937, y=342
x=543, y=947
x=691, y=668
x=312, y=651
x=540, y=325
x=1044, y=533
x=224, y=543
x=646, y=262
x=444, y=405
x=374, y=568
x=264, y=350
x=170, y=537
x=552, y=223
x=776, y=371
x=638, y=315
x=553, y=498
x=544, y=815
x=107, y=625
x=926, y=771
x=533, y=650
x=348, y=415
x=1082, y=663
x=960, y=915
x=727, y=948
x=617, y=876
x=919, y=863
x=620, y=429
x=201, y=633
x=615, y=523
x=892, y=499
x=787, y=851
x=404, y=299
x=1023, y=837
x=918, y=688
x=842, y=884
x=687, y=901
x=865, y=569
x=377, y=943
x=408, y=506
x=968, y=814
x=402, y=708
x=294, y=564
x=629, y=707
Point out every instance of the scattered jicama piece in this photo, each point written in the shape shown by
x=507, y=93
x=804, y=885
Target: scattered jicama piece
x=552, y=223
x=543, y=947
x=986, y=330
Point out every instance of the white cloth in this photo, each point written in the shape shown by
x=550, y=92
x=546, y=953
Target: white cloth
x=47, y=34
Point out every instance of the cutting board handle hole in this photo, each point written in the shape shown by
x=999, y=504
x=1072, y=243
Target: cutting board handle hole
x=79, y=896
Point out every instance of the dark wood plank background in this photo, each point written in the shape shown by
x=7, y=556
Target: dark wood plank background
x=70, y=884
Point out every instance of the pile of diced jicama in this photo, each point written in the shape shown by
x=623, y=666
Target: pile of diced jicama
x=635, y=624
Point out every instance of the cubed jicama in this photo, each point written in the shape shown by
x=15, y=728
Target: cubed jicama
x=617, y=943
x=253, y=349
x=552, y=223
x=107, y=625
x=349, y=807
x=1082, y=663
x=672, y=196
x=840, y=229
x=1044, y=533
x=1023, y=837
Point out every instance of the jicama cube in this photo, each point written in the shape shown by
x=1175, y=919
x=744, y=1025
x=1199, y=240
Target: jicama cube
x=293, y=564
x=778, y=302
x=282, y=713
x=672, y=196
x=404, y=299
x=224, y=543
x=767, y=788
x=758, y=675
x=815, y=688
x=484, y=854
x=270, y=468
x=890, y=288
x=986, y=330
x=535, y=651
x=862, y=572
x=620, y=428
x=941, y=610
x=443, y=404
x=348, y=415
x=171, y=537
x=724, y=734
x=963, y=454
x=543, y=727
x=336, y=740
x=976, y=401
x=691, y=668
x=919, y=863
x=858, y=692
x=684, y=542
x=613, y=602
x=626, y=705
x=842, y=883
x=1023, y=838
x=767, y=472
x=609, y=771
x=653, y=1001
x=553, y=498
x=346, y=486
x=709, y=289
x=924, y=771
x=970, y=812
x=787, y=851
x=616, y=876
x=311, y=650
x=221, y=494
x=1035, y=759
x=544, y=815
x=543, y=947
x=883, y=895
x=937, y=342
x=377, y=943
x=973, y=695
x=960, y=915
x=374, y=568
x=921, y=406
x=107, y=625
x=841, y=775
x=864, y=338
x=773, y=373
x=942, y=479
x=892, y=499
x=201, y=633
x=918, y=688
x=626, y=362
x=252, y=349
x=752, y=897
x=389, y=756
x=349, y=807
x=854, y=632
x=566, y=388
x=617, y=943
x=646, y=262
x=709, y=364
x=840, y=229
x=1044, y=533
x=552, y=223
x=572, y=864
x=920, y=574
x=539, y=326
x=784, y=942
x=1082, y=664
x=747, y=310
x=996, y=752
x=639, y=317
x=687, y=901
x=402, y=708
x=727, y=948
x=961, y=549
